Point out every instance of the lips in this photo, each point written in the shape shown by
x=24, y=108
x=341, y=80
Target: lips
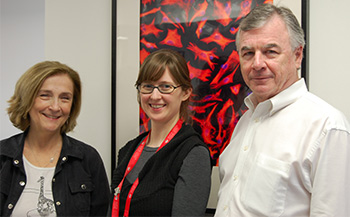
x=157, y=106
x=51, y=116
x=261, y=78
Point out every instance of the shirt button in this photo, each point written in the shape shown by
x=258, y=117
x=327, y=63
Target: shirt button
x=245, y=148
x=58, y=203
x=22, y=183
x=10, y=206
x=235, y=178
x=225, y=207
x=64, y=158
x=16, y=162
x=83, y=186
x=257, y=120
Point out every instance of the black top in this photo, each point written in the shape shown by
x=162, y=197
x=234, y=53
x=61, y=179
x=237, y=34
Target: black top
x=174, y=181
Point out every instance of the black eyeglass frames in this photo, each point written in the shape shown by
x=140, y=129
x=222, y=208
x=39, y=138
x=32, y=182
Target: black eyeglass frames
x=162, y=88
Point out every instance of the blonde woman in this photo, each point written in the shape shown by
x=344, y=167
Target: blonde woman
x=44, y=172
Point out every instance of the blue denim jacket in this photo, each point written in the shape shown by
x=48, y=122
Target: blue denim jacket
x=80, y=184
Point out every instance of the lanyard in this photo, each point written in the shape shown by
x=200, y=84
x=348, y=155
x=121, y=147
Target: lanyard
x=133, y=160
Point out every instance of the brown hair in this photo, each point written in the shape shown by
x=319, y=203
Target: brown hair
x=154, y=67
x=27, y=88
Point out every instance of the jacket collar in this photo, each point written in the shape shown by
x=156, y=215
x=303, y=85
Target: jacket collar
x=69, y=148
x=13, y=146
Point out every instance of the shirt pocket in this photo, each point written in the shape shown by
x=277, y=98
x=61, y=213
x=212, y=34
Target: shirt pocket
x=81, y=193
x=265, y=191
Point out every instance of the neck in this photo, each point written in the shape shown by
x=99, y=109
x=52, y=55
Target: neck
x=43, y=141
x=159, y=132
x=42, y=149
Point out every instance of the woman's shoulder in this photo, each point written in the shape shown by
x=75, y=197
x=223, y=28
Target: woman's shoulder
x=11, y=144
x=199, y=150
x=13, y=138
x=133, y=142
x=187, y=132
x=78, y=147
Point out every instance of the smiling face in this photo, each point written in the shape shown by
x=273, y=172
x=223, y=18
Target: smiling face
x=164, y=108
x=52, y=104
x=268, y=63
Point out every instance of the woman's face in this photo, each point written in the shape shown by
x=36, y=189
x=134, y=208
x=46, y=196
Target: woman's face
x=52, y=105
x=163, y=108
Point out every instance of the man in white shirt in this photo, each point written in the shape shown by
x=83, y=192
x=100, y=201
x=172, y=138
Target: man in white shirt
x=290, y=152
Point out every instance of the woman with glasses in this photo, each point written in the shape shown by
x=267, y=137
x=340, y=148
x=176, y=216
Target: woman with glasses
x=166, y=171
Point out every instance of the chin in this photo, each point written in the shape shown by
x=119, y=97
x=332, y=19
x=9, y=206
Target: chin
x=52, y=129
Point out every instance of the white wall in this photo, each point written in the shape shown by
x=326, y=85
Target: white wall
x=128, y=62
x=78, y=33
x=74, y=32
x=22, y=42
x=329, y=52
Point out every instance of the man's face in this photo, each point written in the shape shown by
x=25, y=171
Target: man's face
x=268, y=63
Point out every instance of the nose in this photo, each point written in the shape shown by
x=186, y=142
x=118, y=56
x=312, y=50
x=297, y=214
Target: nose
x=55, y=105
x=258, y=61
x=156, y=94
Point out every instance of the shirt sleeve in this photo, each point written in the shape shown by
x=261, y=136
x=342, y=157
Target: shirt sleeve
x=331, y=175
x=101, y=193
x=193, y=185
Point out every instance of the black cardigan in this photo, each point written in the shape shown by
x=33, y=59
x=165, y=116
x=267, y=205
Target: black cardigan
x=155, y=192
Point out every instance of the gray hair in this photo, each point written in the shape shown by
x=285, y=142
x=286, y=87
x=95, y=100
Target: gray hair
x=262, y=13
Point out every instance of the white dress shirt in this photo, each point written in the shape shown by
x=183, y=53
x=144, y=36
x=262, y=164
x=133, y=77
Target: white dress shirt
x=288, y=156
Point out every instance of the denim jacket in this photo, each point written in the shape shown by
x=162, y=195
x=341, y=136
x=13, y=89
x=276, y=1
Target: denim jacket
x=79, y=186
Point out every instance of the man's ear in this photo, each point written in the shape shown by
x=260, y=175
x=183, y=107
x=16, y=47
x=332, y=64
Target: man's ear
x=298, y=52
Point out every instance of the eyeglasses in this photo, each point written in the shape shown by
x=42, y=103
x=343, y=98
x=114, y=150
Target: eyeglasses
x=163, y=88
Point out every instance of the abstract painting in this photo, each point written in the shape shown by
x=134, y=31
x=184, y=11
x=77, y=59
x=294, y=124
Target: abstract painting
x=204, y=32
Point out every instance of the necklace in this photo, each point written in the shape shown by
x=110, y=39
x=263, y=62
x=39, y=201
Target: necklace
x=36, y=158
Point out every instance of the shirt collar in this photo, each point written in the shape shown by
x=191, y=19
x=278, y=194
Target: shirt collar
x=281, y=100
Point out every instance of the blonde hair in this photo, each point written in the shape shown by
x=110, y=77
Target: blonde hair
x=27, y=88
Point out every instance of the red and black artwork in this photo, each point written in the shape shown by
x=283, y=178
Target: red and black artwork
x=203, y=31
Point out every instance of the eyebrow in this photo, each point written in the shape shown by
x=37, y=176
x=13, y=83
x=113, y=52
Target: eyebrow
x=161, y=82
x=49, y=91
x=272, y=45
x=244, y=48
